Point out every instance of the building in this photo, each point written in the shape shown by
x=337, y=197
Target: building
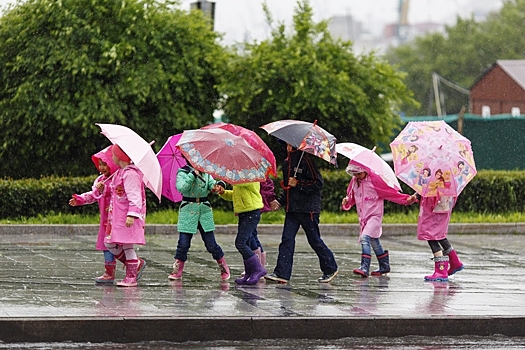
x=500, y=89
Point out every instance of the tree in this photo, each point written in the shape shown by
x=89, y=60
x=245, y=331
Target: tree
x=461, y=55
x=309, y=75
x=68, y=64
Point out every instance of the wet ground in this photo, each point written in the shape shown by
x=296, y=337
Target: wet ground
x=47, y=290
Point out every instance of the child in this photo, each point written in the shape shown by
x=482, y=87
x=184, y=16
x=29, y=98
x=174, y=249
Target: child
x=101, y=193
x=432, y=226
x=127, y=215
x=195, y=213
x=368, y=192
x=247, y=204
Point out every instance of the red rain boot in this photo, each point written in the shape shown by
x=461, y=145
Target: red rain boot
x=131, y=274
x=142, y=265
x=178, y=267
x=440, y=270
x=109, y=274
x=455, y=265
x=225, y=270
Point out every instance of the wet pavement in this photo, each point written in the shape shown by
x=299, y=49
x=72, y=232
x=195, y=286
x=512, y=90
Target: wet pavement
x=47, y=292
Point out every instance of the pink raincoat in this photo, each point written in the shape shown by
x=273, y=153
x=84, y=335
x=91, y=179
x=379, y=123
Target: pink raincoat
x=434, y=216
x=128, y=198
x=103, y=198
x=368, y=196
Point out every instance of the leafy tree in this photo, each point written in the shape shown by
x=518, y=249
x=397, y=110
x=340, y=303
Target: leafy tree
x=309, y=75
x=461, y=55
x=68, y=64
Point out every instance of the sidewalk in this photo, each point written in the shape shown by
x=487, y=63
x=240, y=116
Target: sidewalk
x=47, y=291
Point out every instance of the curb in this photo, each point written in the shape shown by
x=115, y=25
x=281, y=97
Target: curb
x=270, y=229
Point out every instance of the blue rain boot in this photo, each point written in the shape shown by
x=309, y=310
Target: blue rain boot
x=364, y=270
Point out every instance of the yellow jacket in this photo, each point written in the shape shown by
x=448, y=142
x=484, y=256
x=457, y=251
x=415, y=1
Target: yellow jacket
x=245, y=197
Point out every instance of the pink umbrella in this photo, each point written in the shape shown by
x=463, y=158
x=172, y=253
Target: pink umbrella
x=171, y=160
x=432, y=158
x=369, y=160
x=139, y=151
x=223, y=155
x=252, y=138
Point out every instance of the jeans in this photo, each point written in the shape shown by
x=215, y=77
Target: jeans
x=183, y=246
x=247, y=224
x=254, y=242
x=310, y=225
x=108, y=256
x=367, y=241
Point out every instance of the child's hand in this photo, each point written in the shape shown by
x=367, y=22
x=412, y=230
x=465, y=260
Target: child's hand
x=130, y=220
x=344, y=201
x=218, y=189
x=275, y=205
x=412, y=199
x=292, y=181
x=73, y=201
x=100, y=186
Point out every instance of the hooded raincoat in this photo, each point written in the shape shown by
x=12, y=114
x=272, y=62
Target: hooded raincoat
x=368, y=196
x=95, y=195
x=128, y=198
x=434, y=216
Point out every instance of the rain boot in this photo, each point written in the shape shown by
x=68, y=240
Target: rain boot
x=225, y=270
x=131, y=274
x=247, y=271
x=256, y=252
x=440, y=270
x=178, y=267
x=121, y=257
x=109, y=274
x=455, y=265
x=263, y=259
x=363, y=271
x=384, y=264
x=257, y=271
x=142, y=265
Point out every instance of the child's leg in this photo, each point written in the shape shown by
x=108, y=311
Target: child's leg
x=440, y=263
x=109, y=268
x=382, y=257
x=183, y=246
x=455, y=265
x=132, y=266
x=364, y=269
x=109, y=256
x=216, y=252
x=376, y=245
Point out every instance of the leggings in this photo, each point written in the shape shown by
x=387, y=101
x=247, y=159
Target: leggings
x=437, y=246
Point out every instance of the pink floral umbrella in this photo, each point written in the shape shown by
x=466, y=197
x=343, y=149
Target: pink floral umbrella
x=433, y=158
x=252, y=138
x=171, y=160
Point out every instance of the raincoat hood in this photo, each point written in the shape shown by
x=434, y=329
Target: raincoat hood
x=106, y=156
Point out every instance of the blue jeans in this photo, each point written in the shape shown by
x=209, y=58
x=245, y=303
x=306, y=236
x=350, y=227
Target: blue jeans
x=183, y=246
x=310, y=225
x=247, y=224
x=254, y=241
x=367, y=241
x=108, y=256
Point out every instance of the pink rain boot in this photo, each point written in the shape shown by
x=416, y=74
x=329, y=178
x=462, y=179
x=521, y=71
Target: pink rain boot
x=131, y=274
x=440, y=270
x=455, y=265
x=225, y=270
x=178, y=267
x=109, y=274
x=142, y=265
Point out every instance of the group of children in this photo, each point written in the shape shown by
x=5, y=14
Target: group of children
x=119, y=191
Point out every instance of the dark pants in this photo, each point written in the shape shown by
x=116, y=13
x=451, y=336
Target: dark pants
x=310, y=224
x=436, y=246
x=247, y=224
x=183, y=246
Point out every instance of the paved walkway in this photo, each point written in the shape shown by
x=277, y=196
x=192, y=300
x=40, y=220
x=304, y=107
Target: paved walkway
x=47, y=292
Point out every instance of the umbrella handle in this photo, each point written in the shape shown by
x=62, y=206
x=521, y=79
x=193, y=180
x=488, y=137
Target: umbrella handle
x=285, y=187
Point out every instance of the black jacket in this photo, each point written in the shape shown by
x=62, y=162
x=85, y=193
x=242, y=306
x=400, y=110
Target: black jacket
x=306, y=196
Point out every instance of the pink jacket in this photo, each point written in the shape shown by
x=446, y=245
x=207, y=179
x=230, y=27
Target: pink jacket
x=128, y=198
x=103, y=200
x=432, y=225
x=368, y=195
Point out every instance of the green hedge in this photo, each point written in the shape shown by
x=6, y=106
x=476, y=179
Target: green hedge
x=489, y=192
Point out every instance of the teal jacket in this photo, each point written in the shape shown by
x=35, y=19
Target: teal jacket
x=245, y=197
x=193, y=213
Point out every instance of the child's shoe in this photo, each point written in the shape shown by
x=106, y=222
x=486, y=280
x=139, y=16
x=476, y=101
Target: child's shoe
x=109, y=274
x=178, y=267
x=225, y=270
x=131, y=274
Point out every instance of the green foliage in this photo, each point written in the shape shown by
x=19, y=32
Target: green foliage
x=461, y=55
x=309, y=75
x=68, y=64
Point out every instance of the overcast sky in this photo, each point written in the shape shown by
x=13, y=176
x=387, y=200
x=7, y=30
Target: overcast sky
x=244, y=19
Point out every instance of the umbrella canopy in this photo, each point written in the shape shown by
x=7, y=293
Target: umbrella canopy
x=369, y=160
x=223, y=155
x=432, y=158
x=305, y=136
x=252, y=138
x=139, y=151
x=171, y=160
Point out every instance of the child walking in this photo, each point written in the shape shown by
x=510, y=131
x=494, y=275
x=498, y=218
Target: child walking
x=101, y=193
x=195, y=213
x=127, y=215
x=368, y=191
x=432, y=226
x=247, y=204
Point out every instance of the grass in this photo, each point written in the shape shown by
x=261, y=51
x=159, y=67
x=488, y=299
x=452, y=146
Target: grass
x=223, y=218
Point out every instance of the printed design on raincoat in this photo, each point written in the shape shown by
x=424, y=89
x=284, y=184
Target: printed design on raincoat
x=128, y=198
